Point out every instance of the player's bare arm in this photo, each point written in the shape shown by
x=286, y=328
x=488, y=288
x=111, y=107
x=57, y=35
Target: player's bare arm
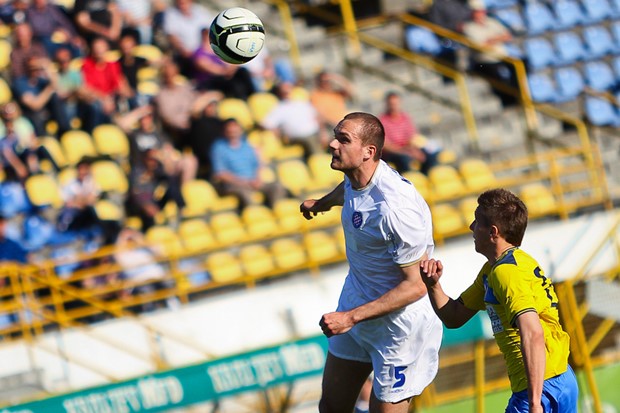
x=410, y=290
x=533, y=350
x=451, y=312
x=311, y=207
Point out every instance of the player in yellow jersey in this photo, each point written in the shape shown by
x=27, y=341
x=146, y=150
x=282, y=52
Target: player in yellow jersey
x=521, y=304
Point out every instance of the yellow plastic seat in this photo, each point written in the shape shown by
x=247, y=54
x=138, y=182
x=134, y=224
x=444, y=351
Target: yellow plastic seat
x=110, y=177
x=295, y=176
x=108, y=211
x=164, y=237
x=147, y=73
x=53, y=148
x=261, y=104
x=237, y=109
x=148, y=87
x=224, y=267
x=149, y=52
x=288, y=216
x=477, y=175
x=420, y=181
x=228, y=228
x=468, y=206
x=5, y=92
x=447, y=221
x=5, y=31
x=321, y=247
x=196, y=236
x=323, y=174
x=77, y=144
x=112, y=55
x=259, y=221
x=288, y=254
x=539, y=200
x=5, y=53
x=300, y=93
x=446, y=183
x=201, y=197
x=256, y=260
x=111, y=140
x=43, y=190
x=327, y=218
x=76, y=63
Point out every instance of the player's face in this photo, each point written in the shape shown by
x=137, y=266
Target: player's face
x=346, y=147
x=482, y=235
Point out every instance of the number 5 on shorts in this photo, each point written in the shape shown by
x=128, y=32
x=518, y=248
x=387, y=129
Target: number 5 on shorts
x=399, y=375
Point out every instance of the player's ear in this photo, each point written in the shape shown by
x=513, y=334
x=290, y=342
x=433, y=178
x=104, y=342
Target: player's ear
x=493, y=231
x=369, y=152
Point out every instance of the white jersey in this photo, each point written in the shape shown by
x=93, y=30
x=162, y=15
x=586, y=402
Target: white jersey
x=387, y=225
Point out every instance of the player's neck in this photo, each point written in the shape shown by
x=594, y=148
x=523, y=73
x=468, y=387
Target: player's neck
x=500, y=248
x=361, y=177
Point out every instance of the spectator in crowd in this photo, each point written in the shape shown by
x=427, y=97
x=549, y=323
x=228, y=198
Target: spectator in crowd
x=137, y=17
x=330, y=96
x=236, y=168
x=451, y=14
x=6, y=12
x=130, y=64
x=205, y=127
x=70, y=85
x=98, y=18
x=80, y=195
x=23, y=48
x=151, y=187
x=267, y=71
x=297, y=122
x=400, y=146
x=10, y=250
x=47, y=21
x=21, y=150
x=106, y=87
x=183, y=24
x=36, y=93
x=15, y=13
x=147, y=136
x=211, y=73
x=174, y=103
x=492, y=34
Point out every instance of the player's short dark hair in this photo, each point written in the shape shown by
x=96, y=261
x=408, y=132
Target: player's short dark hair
x=371, y=130
x=506, y=211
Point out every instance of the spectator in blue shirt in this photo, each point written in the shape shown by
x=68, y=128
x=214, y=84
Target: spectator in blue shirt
x=10, y=250
x=236, y=168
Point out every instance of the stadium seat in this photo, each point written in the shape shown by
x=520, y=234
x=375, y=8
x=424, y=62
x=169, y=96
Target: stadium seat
x=600, y=43
x=287, y=213
x=261, y=104
x=539, y=53
x=228, y=228
x=616, y=8
x=569, y=83
x=110, y=177
x=111, y=140
x=568, y=14
x=237, y=109
x=420, y=181
x=601, y=112
x=148, y=88
x=538, y=199
x=288, y=254
x=538, y=18
x=43, y=190
x=270, y=147
x=422, y=40
x=224, y=267
x=446, y=182
x=147, y=73
x=53, y=148
x=597, y=10
x=323, y=174
x=200, y=197
x=5, y=92
x=66, y=175
x=570, y=48
x=321, y=247
x=477, y=175
x=256, y=260
x=163, y=238
x=196, y=236
x=295, y=176
x=541, y=87
x=149, y=52
x=5, y=53
x=499, y=4
x=447, y=221
x=512, y=19
x=599, y=76
x=467, y=207
x=259, y=222
x=108, y=210
x=77, y=144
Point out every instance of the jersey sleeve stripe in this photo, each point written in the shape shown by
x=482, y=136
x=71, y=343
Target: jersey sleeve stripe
x=513, y=322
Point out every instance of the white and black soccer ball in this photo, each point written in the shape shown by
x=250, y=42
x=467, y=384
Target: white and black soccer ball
x=237, y=35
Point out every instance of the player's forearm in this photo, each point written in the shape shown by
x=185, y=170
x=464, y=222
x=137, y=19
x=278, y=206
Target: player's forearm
x=447, y=309
x=533, y=350
x=334, y=198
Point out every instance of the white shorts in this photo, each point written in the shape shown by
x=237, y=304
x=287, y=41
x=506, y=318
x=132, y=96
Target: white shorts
x=403, y=348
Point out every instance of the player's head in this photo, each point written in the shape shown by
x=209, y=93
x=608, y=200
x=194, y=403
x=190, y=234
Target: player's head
x=358, y=138
x=503, y=210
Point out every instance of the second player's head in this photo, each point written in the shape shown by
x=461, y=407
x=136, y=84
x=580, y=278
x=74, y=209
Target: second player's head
x=504, y=210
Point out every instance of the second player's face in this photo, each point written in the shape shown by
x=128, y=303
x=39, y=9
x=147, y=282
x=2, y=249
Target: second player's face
x=346, y=147
x=482, y=235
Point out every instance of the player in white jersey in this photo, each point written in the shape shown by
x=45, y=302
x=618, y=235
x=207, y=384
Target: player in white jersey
x=384, y=322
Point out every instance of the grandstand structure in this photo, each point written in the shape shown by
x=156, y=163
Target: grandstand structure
x=557, y=149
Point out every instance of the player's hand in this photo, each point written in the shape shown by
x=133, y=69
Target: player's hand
x=431, y=271
x=309, y=208
x=537, y=408
x=336, y=323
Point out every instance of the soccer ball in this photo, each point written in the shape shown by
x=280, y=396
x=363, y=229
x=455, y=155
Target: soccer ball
x=237, y=35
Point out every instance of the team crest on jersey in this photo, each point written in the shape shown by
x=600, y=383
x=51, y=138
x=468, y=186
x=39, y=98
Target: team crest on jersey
x=357, y=219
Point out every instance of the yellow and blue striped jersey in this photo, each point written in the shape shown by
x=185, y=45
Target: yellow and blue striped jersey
x=516, y=284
